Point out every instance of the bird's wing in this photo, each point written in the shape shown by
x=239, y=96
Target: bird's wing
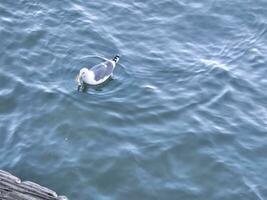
x=102, y=70
x=110, y=67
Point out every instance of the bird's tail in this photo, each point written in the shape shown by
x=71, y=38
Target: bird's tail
x=116, y=58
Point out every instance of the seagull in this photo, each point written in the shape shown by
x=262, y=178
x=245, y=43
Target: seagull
x=97, y=74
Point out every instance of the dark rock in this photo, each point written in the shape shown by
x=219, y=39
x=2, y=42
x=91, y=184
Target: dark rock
x=11, y=188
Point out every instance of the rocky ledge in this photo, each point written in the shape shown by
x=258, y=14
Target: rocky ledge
x=12, y=188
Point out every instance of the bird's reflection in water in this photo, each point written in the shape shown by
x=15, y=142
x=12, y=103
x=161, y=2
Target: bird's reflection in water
x=85, y=87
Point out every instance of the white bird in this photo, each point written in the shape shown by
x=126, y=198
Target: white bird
x=97, y=74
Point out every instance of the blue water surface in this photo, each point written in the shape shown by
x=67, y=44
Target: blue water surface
x=184, y=118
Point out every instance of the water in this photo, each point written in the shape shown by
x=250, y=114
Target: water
x=184, y=118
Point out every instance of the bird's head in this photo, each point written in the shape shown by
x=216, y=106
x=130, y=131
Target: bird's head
x=80, y=77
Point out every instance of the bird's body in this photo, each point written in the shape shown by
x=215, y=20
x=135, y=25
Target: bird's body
x=97, y=74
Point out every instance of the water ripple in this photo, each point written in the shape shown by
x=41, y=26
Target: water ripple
x=183, y=118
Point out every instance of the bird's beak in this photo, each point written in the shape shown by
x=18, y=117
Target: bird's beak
x=78, y=81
